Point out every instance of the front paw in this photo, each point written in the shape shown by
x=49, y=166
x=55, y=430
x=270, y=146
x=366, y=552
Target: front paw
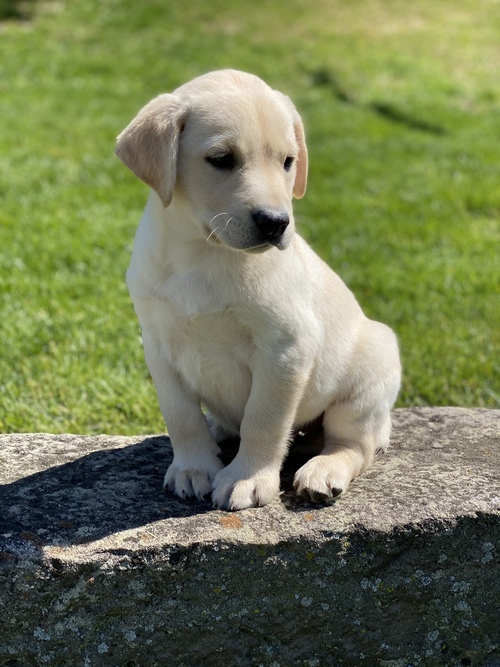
x=236, y=489
x=187, y=479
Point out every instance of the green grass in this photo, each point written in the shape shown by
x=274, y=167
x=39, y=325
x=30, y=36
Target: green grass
x=401, y=103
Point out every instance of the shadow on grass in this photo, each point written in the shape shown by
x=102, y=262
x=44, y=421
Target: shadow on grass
x=17, y=10
x=395, y=115
x=385, y=110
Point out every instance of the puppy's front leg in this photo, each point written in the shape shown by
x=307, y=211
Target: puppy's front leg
x=196, y=460
x=253, y=477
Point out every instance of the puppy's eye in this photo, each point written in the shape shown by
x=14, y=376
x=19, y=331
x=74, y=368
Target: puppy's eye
x=224, y=162
x=287, y=164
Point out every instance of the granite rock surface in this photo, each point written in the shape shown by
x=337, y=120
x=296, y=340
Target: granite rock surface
x=99, y=567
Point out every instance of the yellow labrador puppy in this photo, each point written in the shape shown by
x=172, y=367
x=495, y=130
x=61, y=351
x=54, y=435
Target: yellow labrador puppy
x=237, y=312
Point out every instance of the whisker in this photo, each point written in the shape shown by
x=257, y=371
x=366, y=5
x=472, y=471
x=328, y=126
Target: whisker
x=216, y=216
x=212, y=233
x=227, y=222
x=216, y=229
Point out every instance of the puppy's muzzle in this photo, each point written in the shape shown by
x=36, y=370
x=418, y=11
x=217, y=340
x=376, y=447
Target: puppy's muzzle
x=271, y=224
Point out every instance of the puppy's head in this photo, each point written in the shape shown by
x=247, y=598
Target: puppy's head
x=232, y=149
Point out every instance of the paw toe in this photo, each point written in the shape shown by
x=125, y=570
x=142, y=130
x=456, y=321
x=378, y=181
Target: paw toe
x=187, y=482
x=319, y=483
x=237, y=494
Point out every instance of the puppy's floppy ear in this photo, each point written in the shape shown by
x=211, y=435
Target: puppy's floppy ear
x=148, y=146
x=299, y=186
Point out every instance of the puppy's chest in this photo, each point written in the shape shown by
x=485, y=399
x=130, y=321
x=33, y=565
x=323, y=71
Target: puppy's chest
x=209, y=350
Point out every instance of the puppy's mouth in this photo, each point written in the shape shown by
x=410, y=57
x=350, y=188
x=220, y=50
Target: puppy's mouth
x=234, y=234
x=280, y=243
x=251, y=249
x=256, y=249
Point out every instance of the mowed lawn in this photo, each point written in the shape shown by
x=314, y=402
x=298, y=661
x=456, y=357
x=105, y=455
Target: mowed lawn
x=401, y=103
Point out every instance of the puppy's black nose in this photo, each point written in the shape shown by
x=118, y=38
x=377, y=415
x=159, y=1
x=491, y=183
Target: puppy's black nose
x=271, y=224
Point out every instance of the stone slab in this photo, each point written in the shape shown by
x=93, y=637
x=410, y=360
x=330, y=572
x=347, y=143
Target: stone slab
x=98, y=567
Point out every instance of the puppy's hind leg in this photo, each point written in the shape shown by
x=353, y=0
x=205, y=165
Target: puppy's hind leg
x=355, y=428
x=351, y=440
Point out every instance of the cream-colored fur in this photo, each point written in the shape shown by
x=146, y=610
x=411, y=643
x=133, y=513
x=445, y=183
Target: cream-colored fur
x=237, y=312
